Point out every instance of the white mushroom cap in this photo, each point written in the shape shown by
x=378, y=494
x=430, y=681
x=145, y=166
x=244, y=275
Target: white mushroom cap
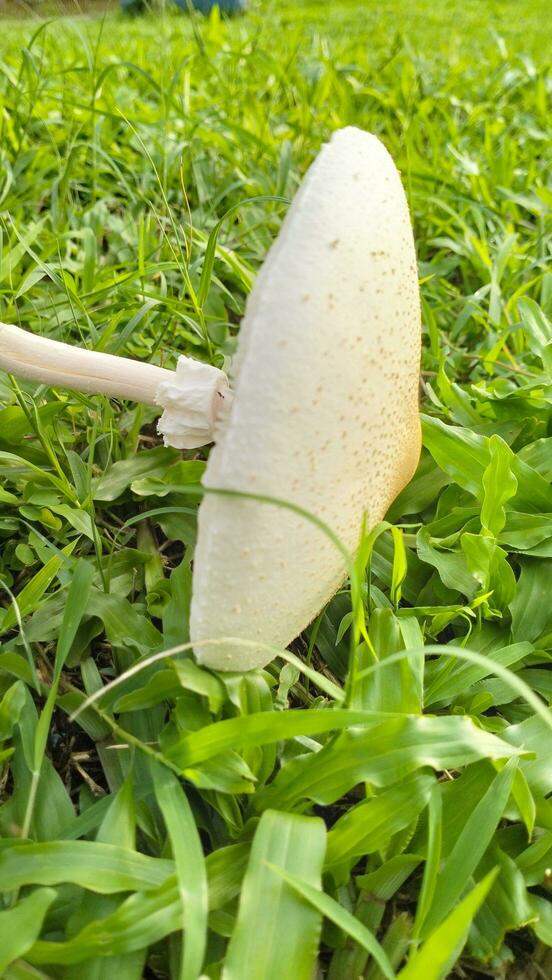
x=325, y=410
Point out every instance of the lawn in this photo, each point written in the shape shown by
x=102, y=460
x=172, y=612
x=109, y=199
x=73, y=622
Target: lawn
x=260, y=827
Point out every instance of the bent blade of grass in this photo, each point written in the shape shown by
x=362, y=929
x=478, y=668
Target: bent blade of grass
x=349, y=562
x=458, y=679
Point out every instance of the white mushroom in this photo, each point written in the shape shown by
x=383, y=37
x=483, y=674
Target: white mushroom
x=325, y=409
x=194, y=397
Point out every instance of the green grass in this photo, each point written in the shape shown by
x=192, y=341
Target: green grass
x=350, y=832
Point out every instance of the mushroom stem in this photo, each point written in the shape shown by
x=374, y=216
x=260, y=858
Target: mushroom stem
x=60, y=365
x=193, y=397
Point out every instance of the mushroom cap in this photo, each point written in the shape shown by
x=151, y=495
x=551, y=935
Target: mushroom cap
x=325, y=410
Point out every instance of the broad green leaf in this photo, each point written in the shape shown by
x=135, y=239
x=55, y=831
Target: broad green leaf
x=7, y=498
x=146, y=917
x=394, y=943
x=176, y=612
x=527, y=533
x=499, y=485
x=189, y=471
x=194, y=678
x=422, y=490
x=73, y=612
x=276, y=931
x=538, y=455
x=15, y=424
x=488, y=565
x=77, y=600
x=536, y=325
x=465, y=455
x=530, y=615
x=451, y=566
x=79, y=519
x=20, y=970
x=535, y=860
x=368, y=827
x=377, y=888
x=124, y=624
x=129, y=966
x=381, y=755
x=118, y=477
x=190, y=869
x=11, y=706
x=13, y=256
x=160, y=686
x=119, y=822
x=228, y=772
x=260, y=729
x=20, y=926
x=535, y=737
x=39, y=806
x=399, y=687
x=102, y=868
x=388, y=878
x=433, y=858
x=542, y=908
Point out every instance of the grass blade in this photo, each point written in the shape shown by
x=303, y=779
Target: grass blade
x=276, y=932
x=190, y=868
x=433, y=960
x=332, y=910
x=470, y=846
